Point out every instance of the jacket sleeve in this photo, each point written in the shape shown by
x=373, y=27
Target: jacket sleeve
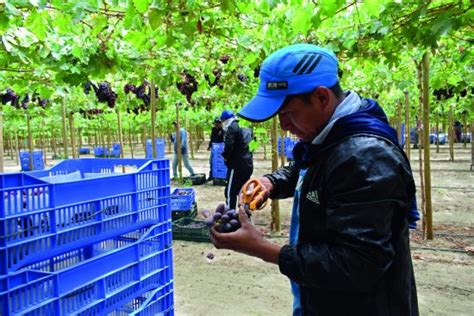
x=229, y=141
x=365, y=186
x=284, y=181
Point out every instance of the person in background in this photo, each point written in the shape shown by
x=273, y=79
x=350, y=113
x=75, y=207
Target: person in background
x=237, y=156
x=184, y=151
x=217, y=136
x=352, y=187
x=458, y=131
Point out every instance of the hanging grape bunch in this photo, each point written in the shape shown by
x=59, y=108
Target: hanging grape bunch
x=41, y=102
x=104, y=92
x=142, y=92
x=188, y=86
x=90, y=112
x=224, y=220
x=11, y=97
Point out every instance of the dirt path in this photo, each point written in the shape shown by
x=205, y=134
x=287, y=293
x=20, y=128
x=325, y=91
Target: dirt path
x=234, y=284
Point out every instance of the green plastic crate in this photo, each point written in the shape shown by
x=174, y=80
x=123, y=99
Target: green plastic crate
x=191, y=229
x=175, y=215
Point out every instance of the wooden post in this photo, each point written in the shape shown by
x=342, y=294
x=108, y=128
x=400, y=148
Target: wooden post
x=30, y=139
x=407, y=124
x=178, y=145
x=63, y=112
x=119, y=122
x=53, y=140
x=437, y=132
x=73, y=139
x=130, y=139
x=17, y=142
x=452, y=135
x=153, y=118
x=275, y=224
x=426, y=147
x=282, y=147
x=399, y=121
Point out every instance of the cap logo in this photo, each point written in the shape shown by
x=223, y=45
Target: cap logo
x=307, y=63
x=277, y=85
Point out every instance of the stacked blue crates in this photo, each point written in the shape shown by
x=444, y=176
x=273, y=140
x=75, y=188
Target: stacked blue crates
x=219, y=169
x=85, y=238
x=160, y=148
x=101, y=152
x=38, y=160
x=116, y=150
x=84, y=151
x=289, y=144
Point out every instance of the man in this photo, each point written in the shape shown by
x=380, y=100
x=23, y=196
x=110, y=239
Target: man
x=353, y=192
x=237, y=156
x=184, y=151
x=217, y=136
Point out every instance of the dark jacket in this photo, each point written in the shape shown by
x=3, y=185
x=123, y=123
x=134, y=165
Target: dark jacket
x=353, y=255
x=236, y=150
x=217, y=136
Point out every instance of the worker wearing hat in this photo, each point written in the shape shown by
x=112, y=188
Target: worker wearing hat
x=237, y=156
x=352, y=187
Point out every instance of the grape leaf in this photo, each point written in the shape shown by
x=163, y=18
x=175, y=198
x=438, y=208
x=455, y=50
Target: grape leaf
x=142, y=5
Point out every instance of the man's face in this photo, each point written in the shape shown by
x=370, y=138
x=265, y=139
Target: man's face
x=304, y=118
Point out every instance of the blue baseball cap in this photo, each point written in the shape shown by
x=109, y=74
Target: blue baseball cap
x=226, y=114
x=295, y=69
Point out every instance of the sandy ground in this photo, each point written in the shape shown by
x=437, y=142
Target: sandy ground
x=235, y=284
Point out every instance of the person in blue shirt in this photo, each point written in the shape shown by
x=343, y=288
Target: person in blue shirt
x=184, y=151
x=352, y=188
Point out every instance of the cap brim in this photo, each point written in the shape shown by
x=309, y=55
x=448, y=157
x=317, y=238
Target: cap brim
x=261, y=109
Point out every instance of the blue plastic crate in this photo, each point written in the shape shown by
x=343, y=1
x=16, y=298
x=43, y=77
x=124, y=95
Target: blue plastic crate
x=160, y=148
x=38, y=160
x=101, y=152
x=98, y=278
x=289, y=144
x=219, y=169
x=84, y=151
x=182, y=202
x=116, y=150
x=45, y=213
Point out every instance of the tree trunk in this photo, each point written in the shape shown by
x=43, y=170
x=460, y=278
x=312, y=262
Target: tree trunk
x=275, y=224
x=73, y=139
x=282, y=148
x=437, y=132
x=30, y=139
x=451, y=133
x=426, y=148
x=53, y=140
x=130, y=139
x=464, y=135
x=153, y=117
x=63, y=112
x=144, y=138
x=17, y=142
x=178, y=145
x=407, y=124
x=399, y=122
x=119, y=122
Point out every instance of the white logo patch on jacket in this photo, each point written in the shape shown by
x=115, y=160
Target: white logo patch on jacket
x=313, y=197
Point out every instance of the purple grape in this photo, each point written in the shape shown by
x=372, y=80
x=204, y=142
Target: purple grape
x=225, y=218
x=227, y=228
x=233, y=214
x=217, y=216
x=220, y=208
x=235, y=224
x=219, y=228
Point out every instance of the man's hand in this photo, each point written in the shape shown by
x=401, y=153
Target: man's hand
x=247, y=240
x=267, y=188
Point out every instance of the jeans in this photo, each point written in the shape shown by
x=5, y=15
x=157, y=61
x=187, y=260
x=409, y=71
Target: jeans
x=187, y=165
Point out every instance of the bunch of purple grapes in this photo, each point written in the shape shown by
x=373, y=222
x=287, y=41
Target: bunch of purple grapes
x=224, y=220
x=142, y=92
x=104, y=92
x=188, y=86
x=90, y=112
x=14, y=99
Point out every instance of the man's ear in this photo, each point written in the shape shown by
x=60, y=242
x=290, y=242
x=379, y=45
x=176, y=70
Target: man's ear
x=323, y=95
